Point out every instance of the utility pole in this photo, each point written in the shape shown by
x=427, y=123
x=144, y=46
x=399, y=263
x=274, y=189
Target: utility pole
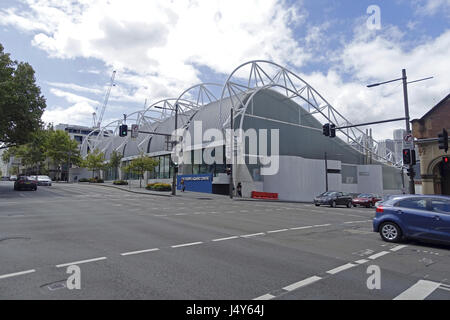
x=408, y=129
x=174, y=178
x=408, y=126
x=231, y=152
x=326, y=172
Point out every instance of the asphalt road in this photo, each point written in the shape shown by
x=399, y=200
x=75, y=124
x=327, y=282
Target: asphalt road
x=134, y=246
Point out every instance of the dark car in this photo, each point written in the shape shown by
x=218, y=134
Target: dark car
x=333, y=198
x=367, y=200
x=24, y=182
x=414, y=216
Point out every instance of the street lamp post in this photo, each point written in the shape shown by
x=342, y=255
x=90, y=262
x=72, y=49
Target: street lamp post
x=231, y=153
x=406, y=107
x=174, y=178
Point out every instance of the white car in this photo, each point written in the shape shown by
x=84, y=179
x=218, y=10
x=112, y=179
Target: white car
x=43, y=180
x=13, y=178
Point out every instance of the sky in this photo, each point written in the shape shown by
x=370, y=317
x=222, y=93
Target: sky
x=160, y=48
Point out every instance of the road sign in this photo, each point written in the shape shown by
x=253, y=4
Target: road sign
x=134, y=131
x=408, y=141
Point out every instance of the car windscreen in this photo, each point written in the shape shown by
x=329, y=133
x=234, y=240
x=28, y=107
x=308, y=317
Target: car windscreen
x=328, y=194
x=365, y=195
x=43, y=178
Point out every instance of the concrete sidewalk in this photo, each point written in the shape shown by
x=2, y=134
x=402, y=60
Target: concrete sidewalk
x=133, y=187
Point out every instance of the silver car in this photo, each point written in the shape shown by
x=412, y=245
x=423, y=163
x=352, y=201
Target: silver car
x=43, y=180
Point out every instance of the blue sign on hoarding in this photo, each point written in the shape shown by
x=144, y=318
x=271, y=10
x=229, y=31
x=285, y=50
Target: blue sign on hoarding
x=196, y=182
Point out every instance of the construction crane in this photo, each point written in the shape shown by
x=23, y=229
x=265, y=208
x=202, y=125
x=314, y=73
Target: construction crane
x=105, y=102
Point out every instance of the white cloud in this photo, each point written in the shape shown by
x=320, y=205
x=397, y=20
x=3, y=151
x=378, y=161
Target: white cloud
x=431, y=7
x=80, y=112
x=367, y=60
x=72, y=98
x=75, y=87
x=162, y=42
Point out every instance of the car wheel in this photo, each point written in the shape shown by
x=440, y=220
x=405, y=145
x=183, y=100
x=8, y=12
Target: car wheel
x=333, y=204
x=390, y=232
x=317, y=205
x=349, y=204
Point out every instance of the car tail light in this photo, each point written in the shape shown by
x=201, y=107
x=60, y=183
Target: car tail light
x=380, y=209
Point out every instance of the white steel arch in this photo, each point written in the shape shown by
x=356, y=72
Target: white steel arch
x=253, y=76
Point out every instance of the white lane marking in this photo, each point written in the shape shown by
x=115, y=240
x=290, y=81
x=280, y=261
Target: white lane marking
x=223, y=239
x=302, y=283
x=187, y=244
x=362, y=221
x=16, y=274
x=160, y=215
x=377, y=255
x=361, y=261
x=301, y=228
x=322, y=225
x=276, y=231
x=252, y=235
x=419, y=291
x=138, y=252
x=180, y=214
x=398, y=247
x=267, y=296
x=341, y=268
x=80, y=262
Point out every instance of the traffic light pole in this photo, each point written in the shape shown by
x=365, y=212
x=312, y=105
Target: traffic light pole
x=231, y=153
x=408, y=129
x=326, y=172
x=174, y=177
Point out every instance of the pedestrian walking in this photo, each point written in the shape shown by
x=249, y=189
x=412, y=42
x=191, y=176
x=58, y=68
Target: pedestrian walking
x=183, y=187
x=239, y=189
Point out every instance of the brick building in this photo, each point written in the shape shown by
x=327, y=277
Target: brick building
x=435, y=175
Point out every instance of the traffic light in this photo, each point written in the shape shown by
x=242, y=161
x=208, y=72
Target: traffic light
x=446, y=161
x=123, y=130
x=410, y=172
x=443, y=140
x=228, y=170
x=332, y=130
x=406, y=156
x=413, y=157
x=326, y=129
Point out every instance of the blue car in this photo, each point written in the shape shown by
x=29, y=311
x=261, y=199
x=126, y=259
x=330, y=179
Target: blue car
x=424, y=217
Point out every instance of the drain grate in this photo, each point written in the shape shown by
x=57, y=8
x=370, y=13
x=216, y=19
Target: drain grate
x=204, y=198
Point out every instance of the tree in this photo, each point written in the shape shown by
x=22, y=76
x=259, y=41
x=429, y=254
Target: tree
x=95, y=161
x=140, y=165
x=21, y=102
x=114, y=162
x=61, y=149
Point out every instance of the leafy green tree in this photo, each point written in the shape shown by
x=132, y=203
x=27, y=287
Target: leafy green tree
x=115, y=161
x=61, y=149
x=95, y=161
x=21, y=102
x=140, y=165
